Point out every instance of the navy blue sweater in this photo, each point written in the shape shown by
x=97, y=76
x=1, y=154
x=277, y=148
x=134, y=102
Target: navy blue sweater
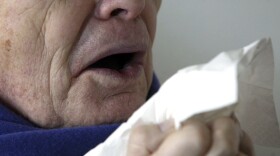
x=19, y=137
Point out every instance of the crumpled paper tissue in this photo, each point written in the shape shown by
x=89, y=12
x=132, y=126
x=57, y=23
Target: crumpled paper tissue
x=256, y=110
x=203, y=91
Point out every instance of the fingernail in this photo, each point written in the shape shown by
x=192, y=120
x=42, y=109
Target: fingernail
x=167, y=125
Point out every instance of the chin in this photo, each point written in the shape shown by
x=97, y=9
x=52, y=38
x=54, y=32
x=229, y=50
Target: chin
x=102, y=106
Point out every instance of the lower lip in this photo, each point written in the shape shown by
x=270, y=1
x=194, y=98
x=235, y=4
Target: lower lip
x=131, y=71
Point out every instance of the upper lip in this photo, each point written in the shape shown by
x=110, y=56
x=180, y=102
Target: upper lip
x=103, y=39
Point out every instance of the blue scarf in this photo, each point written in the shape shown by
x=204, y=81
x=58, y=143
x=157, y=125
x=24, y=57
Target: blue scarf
x=19, y=137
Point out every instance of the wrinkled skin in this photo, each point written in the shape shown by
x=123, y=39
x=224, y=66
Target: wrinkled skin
x=50, y=52
x=44, y=44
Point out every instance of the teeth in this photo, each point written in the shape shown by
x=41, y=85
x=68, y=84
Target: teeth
x=115, y=62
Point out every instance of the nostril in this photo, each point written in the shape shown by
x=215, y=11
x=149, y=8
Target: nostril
x=118, y=11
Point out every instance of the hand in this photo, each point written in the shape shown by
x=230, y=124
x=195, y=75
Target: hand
x=222, y=137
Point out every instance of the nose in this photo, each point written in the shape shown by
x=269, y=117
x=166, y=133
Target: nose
x=125, y=9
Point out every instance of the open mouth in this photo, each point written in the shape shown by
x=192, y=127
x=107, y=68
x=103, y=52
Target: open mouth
x=116, y=62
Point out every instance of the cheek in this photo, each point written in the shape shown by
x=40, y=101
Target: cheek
x=37, y=36
x=22, y=43
x=150, y=17
x=149, y=70
x=62, y=27
x=64, y=21
x=40, y=28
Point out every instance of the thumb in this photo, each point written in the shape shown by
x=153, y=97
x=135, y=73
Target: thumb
x=145, y=139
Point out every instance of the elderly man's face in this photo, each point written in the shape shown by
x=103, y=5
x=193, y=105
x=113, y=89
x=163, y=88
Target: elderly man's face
x=76, y=62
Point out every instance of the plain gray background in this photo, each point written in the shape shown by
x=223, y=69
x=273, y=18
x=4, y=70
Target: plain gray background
x=194, y=31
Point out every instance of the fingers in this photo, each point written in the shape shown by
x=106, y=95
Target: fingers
x=222, y=137
x=146, y=139
x=193, y=139
x=225, y=137
x=246, y=145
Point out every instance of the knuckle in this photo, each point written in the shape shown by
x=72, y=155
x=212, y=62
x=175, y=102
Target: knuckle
x=227, y=144
x=226, y=128
x=139, y=134
x=223, y=150
x=224, y=120
x=199, y=133
x=220, y=133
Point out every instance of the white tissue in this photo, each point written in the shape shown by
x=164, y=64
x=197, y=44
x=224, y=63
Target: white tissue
x=204, y=91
